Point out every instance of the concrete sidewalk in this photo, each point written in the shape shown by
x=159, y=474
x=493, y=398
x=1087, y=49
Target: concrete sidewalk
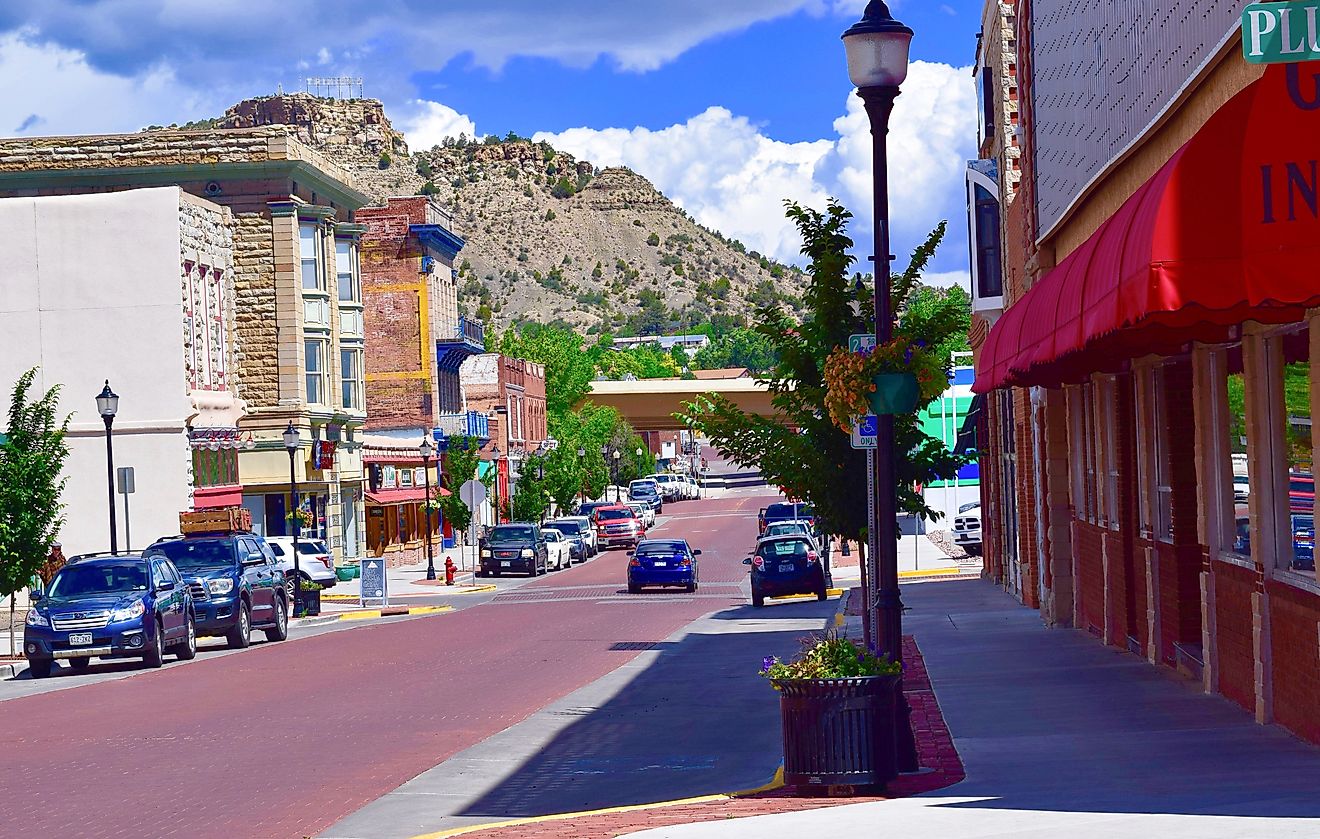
x=404, y=580
x=1061, y=736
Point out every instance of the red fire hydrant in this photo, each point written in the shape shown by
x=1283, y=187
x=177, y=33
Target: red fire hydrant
x=450, y=568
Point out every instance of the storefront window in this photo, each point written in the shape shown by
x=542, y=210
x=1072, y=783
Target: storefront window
x=1162, y=499
x=1232, y=477
x=1107, y=446
x=1090, y=492
x=1008, y=519
x=1293, y=480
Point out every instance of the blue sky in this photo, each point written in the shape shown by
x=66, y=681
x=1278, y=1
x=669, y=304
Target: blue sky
x=727, y=106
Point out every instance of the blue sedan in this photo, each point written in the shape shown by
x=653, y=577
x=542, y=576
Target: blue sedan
x=663, y=562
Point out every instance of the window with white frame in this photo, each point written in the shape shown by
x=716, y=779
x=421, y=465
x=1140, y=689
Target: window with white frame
x=316, y=352
x=1231, y=483
x=346, y=271
x=309, y=256
x=405, y=477
x=350, y=373
x=1291, y=476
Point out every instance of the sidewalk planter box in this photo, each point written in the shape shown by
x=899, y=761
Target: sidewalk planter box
x=838, y=731
x=311, y=603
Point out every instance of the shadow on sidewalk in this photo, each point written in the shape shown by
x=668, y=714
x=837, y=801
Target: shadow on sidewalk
x=696, y=720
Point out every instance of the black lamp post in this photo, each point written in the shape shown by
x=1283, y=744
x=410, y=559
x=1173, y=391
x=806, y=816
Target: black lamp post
x=291, y=444
x=617, y=496
x=495, y=458
x=877, y=50
x=107, y=404
x=426, y=449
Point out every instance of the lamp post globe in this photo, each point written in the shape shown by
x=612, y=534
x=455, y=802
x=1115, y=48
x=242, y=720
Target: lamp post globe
x=877, y=48
x=107, y=405
x=427, y=450
x=292, y=442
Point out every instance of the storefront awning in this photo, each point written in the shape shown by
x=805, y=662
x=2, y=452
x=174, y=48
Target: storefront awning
x=411, y=495
x=1227, y=231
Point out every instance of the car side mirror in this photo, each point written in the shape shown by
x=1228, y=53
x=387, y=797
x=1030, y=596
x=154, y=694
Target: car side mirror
x=165, y=585
x=697, y=552
x=36, y=597
x=747, y=561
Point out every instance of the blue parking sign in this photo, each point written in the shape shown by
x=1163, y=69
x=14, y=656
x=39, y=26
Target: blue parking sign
x=864, y=431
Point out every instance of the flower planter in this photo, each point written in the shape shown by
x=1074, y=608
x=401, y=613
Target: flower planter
x=838, y=731
x=344, y=573
x=895, y=393
x=311, y=603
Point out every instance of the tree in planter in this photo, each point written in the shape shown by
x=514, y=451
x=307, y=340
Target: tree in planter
x=802, y=450
x=31, y=513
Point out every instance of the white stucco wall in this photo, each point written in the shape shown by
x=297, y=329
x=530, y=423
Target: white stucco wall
x=90, y=290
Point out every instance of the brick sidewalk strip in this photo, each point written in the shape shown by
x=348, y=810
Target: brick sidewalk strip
x=934, y=744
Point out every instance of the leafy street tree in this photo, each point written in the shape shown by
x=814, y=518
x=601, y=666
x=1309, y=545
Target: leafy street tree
x=802, y=450
x=530, y=499
x=31, y=463
x=737, y=348
x=646, y=361
x=569, y=369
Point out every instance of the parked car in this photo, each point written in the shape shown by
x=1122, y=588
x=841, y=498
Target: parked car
x=786, y=565
x=557, y=549
x=315, y=561
x=647, y=490
x=589, y=508
x=618, y=526
x=1241, y=489
x=962, y=508
x=1301, y=492
x=694, y=488
x=110, y=606
x=516, y=546
x=789, y=528
x=574, y=531
x=786, y=511
x=587, y=531
x=967, y=530
x=1303, y=528
x=235, y=582
x=669, y=486
x=663, y=562
x=644, y=512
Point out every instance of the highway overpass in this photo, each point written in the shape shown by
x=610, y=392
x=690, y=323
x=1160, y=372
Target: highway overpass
x=649, y=404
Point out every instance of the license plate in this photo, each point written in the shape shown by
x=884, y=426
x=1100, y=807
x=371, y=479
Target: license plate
x=80, y=639
x=505, y=564
x=660, y=564
x=786, y=566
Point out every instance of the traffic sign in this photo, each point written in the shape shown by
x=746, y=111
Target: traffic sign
x=473, y=494
x=863, y=342
x=864, y=432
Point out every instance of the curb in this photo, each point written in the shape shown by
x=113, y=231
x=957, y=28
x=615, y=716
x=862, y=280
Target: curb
x=389, y=612
x=829, y=592
x=10, y=670
x=774, y=783
x=933, y=572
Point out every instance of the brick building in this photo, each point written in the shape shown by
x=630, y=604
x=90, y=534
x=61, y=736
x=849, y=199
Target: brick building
x=415, y=343
x=298, y=316
x=511, y=392
x=1147, y=440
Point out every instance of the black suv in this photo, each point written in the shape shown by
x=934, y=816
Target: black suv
x=235, y=581
x=516, y=546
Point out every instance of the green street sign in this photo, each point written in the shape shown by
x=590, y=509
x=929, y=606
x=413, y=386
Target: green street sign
x=865, y=340
x=1281, y=33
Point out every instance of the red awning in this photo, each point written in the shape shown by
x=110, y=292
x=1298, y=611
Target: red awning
x=1227, y=231
x=403, y=496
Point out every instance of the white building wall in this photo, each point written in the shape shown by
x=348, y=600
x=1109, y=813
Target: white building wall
x=91, y=291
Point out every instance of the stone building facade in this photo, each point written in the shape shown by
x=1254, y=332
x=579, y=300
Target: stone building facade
x=1149, y=385
x=298, y=327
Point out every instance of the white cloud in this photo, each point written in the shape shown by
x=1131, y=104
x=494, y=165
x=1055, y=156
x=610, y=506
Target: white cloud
x=948, y=279
x=728, y=175
x=429, y=123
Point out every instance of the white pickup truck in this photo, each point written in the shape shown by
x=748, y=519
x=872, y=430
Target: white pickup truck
x=967, y=530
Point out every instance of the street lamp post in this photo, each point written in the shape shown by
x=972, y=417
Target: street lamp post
x=426, y=450
x=582, y=475
x=495, y=481
x=291, y=445
x=877, y=52
x=107, y=404
x=617, y=496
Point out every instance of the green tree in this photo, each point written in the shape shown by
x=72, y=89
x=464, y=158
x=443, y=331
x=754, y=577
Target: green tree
x=801, y=449
x=569, y=369
x=460, y=466
x=738, y=348
x=31, y=462
x=680, y=357
x=530, y=498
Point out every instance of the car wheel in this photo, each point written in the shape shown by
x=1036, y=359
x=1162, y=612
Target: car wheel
x=187, y=650
x=758, y=599
x=155, y=655
x=280, y=630
x=690, y=587
x=822, y=593
x=240, y=636
x=80, y=665
x=634, y=589
x=40, y=667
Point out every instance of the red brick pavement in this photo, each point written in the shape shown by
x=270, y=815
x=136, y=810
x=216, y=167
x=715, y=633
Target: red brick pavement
x=283, y=740
x=934, y=745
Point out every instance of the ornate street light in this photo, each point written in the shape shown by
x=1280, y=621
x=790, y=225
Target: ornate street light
x=292, y=442
x=426, y=450
x=107, y=405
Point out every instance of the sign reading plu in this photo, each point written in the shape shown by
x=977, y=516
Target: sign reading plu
x=1279, y=33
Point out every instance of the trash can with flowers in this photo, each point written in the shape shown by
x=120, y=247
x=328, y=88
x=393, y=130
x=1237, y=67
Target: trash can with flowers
x=837, y=704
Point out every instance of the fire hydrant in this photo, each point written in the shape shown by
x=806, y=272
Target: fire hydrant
x=450, y=568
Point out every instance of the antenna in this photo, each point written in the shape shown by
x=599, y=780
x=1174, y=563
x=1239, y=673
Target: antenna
x=334, y=87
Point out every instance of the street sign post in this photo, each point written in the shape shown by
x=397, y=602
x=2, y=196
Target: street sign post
x=375, y=582
x=473, y=494
x=127, y=486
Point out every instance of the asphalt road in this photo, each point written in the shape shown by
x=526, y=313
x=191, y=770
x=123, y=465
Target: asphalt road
x=286, y=739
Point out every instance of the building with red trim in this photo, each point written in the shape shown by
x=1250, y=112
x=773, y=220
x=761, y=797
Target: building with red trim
x=1146, y=440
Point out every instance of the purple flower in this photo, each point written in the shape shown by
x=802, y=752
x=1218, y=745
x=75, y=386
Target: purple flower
x=768, y=662
x=861, y=658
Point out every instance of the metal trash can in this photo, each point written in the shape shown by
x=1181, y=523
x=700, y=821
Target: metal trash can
x=839, y=731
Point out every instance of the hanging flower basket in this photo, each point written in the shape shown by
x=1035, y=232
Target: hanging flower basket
x=894, y=378
x=303, y=517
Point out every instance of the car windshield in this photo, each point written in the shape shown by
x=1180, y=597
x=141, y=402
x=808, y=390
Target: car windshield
x=786, y=527
x=505, y=531
x=636, y=485
x=551, y=536
x=101, y=578
x=788, y=511
x=568, y=528
x=614, y=515
x=785, y=548
x=654, y=548
x=312, y=548
x=197, y=554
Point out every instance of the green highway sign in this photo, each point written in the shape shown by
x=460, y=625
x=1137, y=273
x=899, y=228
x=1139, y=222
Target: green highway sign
x=1280, y=33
